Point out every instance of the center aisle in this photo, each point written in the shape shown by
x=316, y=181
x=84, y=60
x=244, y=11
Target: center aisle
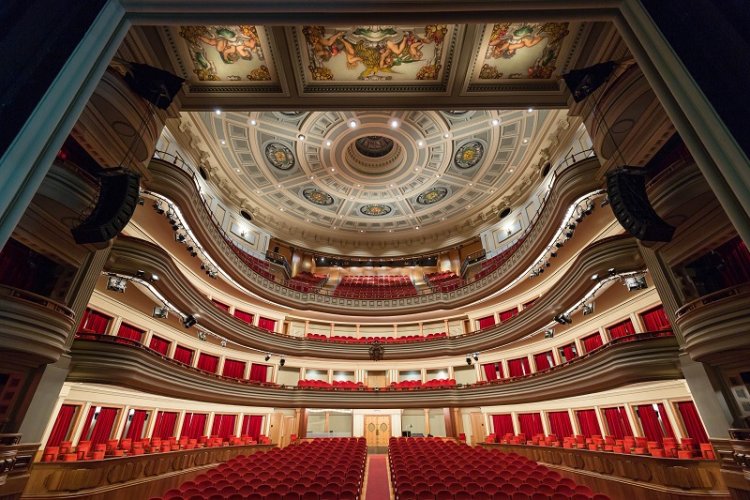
x=377, y=482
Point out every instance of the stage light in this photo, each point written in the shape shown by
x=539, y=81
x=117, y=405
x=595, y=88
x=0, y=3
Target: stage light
x=604, y=202
x=158, y=207
x=189, y=321
x=223, y=343
x=588, y=309
x=282, y=361
x=140, y=274
x=559, y=244
x=468, y=360
x=572, y=225
x=180, y=237
x=202, y=336
x=549, y=333
x=589, y=208
x=476, y=356
x=553, y=254
x=268, y=356
x=594, y=277
x=161, y=312
x=612, y=271
x=563, y=319
x=636, y=283
x=117, y=284
x=569, y=234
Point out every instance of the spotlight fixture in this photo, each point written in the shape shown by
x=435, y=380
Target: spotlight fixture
x=352, y=123
x=223, y=343
x=268, y=356
x=189, y=321
x=395, y=123
x=468, y=359
x=572, y=226
x=579, y=219
x=636, y=283
x=213, y=273
x=594, y=277
x=202, y=336
x=569, y=234
x=612, y=271
x=476, y=356
x=563, y=319
x=140, y=274
x=589, y=208
x=559, y=244
x=301, y=137
x=180, y=237
x=549, y=333
x=604, y=202
x=553, y=254
x=282, y=361
x=158, y=207
x=117, y=284
x=141, y=201
x=161, y=312
x=154, y=277
x=588, y=309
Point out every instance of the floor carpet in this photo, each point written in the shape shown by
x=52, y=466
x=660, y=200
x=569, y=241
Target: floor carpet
x=378, y=485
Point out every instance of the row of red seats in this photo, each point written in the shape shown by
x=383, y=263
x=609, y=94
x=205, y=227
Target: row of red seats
x=668, y=448
x=383, y=340
x=345, y=385
x=307, y=282
x=261, y=267
x=490, y=265
x=418, y=384
x=390, y=280
x=442, y=469
x=125, y=447
x=444, y=281
x=375, y=287
x=329, y=468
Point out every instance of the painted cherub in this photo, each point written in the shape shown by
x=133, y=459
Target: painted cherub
x=504, y=44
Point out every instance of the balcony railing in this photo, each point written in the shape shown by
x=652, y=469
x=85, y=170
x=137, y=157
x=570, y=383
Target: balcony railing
x=637, y=337
x=521, y=245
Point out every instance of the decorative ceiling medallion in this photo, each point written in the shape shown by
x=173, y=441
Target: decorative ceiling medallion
x=226, y=53
x=431, y=196
x=469, y=154
x=375, y=210
x=374, y=146
x=522, y=50
x=279, y=156
x=318, y=197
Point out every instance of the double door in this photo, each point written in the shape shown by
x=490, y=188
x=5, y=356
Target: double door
x=377, y=430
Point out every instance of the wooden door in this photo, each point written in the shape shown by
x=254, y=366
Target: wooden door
x=478, y=432
x=275, y=431
x=377, y=430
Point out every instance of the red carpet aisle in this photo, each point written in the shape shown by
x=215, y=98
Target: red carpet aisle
x=378, y=485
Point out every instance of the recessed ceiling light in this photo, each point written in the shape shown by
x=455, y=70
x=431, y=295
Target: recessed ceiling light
x=312, y=177
x=395, y=123
x=391, y=185
x=525, y=141
x=361, y=230
x=352, y=123
x=279, y=185
x=530, y=110
x=510, y=170
x=301, y=137
x=282, y=209
x=495, y=122
x=471, y=184
x=333, y=170
x=238, y=170
x=447, y=135
x=253, y=122
x=437, y=175
x=328, y=142
x=307, y=220
x=416, y=169
x=218, y=112
x=390, y=230
x=359, y=185
x=417, y=227
x=420, y=143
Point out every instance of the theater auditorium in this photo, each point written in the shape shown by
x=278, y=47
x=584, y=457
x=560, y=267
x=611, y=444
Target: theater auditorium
x=481, y=250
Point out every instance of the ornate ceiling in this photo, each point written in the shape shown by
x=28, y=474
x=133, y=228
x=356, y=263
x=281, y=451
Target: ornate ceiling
x=502, y=64
x=476, y=120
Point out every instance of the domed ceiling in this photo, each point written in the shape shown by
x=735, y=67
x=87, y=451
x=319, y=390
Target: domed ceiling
x=346, y=181
x=364, y=177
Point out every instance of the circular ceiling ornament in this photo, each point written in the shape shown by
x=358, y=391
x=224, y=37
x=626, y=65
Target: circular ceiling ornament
x=375, y=210
x=469, y=154
x=374, y=146
x=280, y=156
x=318, y=197
x=431, y=196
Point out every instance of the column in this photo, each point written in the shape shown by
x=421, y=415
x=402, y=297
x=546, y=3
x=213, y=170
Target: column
x=516, y=425
x=556, y=356
x=600, y=420
x=333, y=329
x=427, y=421
x=209, y=423
x=114, y=325
x=635, y=423
x=246, y=373
x=637, y=323
x=579, y=346
x=545, y=423
x=238, y=425
x=327, y=424
x=149, y=430
x=574, y=423
x=179, y=424
x=122, y=419
x=76, y=436
x=673, y=419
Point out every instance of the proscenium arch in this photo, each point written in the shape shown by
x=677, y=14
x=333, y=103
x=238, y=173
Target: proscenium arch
x=25, y=163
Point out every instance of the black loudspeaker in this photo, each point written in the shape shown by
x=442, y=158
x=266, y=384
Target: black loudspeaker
x=118, y=197
x=626, y=189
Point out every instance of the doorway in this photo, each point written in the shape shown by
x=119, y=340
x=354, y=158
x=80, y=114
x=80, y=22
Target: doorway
x=377, y=432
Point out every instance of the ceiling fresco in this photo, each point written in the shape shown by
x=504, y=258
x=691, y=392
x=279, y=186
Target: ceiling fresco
x=311, y=67
x=375, y=53
x=226, y=53
x=513, y=51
